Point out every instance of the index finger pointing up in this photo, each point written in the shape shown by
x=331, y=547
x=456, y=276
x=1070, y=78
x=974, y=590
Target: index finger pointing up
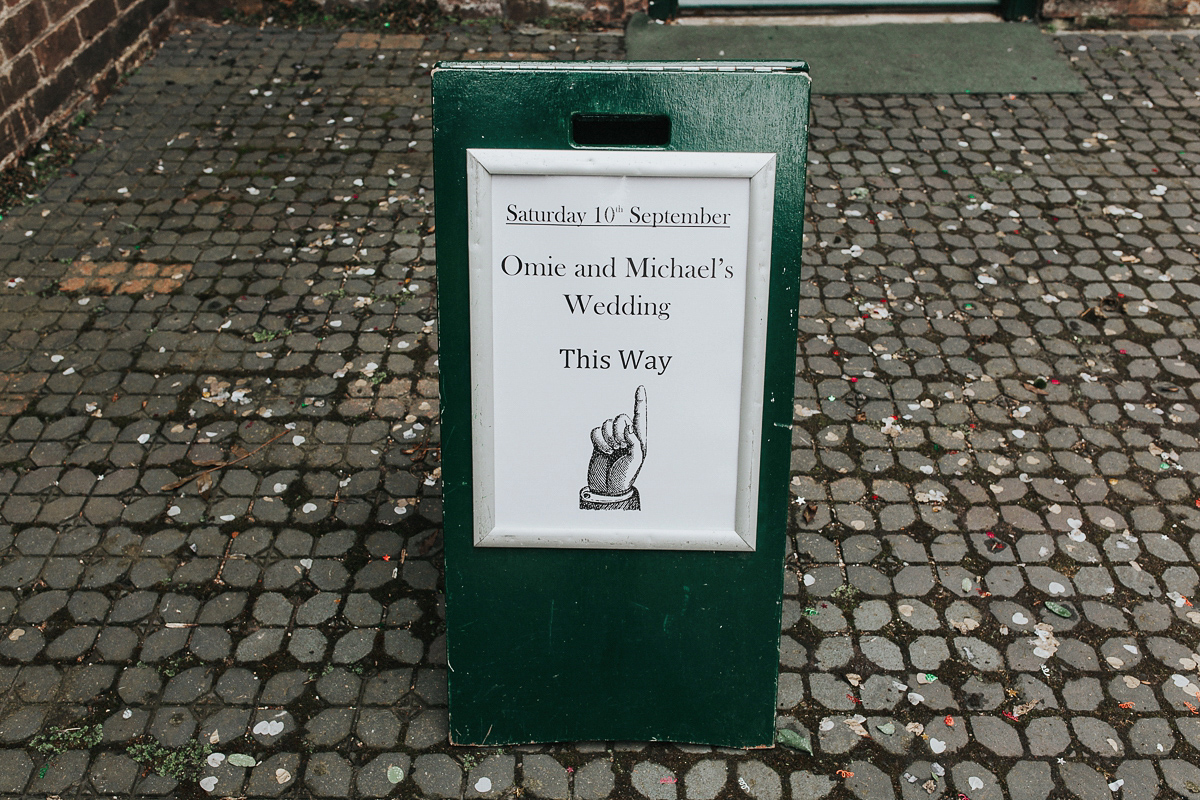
x=639, y=415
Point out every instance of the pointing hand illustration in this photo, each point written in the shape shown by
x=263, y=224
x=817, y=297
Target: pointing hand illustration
x=618, y=451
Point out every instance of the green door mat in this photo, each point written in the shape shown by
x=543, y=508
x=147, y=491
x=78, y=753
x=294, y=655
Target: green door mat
x=924, y=58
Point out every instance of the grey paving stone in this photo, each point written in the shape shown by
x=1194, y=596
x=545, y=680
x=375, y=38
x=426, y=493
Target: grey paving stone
x=968, y=776
x=928, y=652
x=833, y=652
x=1138, y=779
x=1047, y=736
x=329, y=775
x=883, y=652
x=378, y=728
x=429, y=728
x=1151, y=736
x=790, y=691
x=22, y=723
x=375, y=779
x=542, y=776
x=1083, y=782
x=834, y=737
x=997, y=736
x=653, y=781
x=493, y=777
x=1029, y=780
x=327, y=728
x=807, y=786
x=274, y=776
x=830, y=691
x=759, y=781
x=704, y=781
x=284, y=688
x=594, y=780
x=1098, y=736
x=308, y=645
x=15, y=768
x=1181, y=776
x=872, y=615
x=63, y=771
x=869, y=781
x=259, y=645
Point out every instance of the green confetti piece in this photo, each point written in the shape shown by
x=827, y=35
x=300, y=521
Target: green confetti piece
x=887, y=728
x=1058, y=608
x=966, y=584
x=929, y=676
x=42, y=772
x=395, y=774
x=242, y=760
x=789, y=738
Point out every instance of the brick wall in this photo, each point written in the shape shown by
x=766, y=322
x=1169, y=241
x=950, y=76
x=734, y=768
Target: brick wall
x=605, y=12
x=58, y=55
x=1124, y=13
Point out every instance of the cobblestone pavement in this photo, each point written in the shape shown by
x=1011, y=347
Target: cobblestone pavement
x=996, y=521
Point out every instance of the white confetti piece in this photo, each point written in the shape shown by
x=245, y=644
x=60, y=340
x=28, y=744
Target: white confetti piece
x=308, y=508
x=208, y=784
x=974, y=782
x=937, y=745
x=306, y=563
x=215, y=759
x=269, y=727
x=483, y=785
x=298, y=440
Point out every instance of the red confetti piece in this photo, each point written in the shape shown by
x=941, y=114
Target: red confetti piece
x=1125, y=705
x=949, y=720
x=845, y=773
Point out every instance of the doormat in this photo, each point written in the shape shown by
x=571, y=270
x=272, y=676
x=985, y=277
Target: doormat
x=921, y=58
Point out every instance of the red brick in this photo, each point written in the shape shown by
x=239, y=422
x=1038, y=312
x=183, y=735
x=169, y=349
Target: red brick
x=95, y=17
x=8, y=139
x=52, y=95
x=1146, y=8
x=22, y=77
x=22, y=28
x=57, y=47
x=57, y=9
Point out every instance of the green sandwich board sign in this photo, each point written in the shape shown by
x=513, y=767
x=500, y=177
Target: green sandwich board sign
x=618, y=269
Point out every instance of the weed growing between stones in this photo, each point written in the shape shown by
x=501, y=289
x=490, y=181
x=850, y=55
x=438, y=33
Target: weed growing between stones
x=179, y=763
x=59, y=740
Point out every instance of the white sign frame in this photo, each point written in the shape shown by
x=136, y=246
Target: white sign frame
x=759, y=169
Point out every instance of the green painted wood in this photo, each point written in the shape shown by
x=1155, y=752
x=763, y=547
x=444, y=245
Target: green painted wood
x=662, y=9
x=559, y=644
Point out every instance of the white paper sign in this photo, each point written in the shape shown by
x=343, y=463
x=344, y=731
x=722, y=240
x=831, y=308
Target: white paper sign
x=618, y=320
